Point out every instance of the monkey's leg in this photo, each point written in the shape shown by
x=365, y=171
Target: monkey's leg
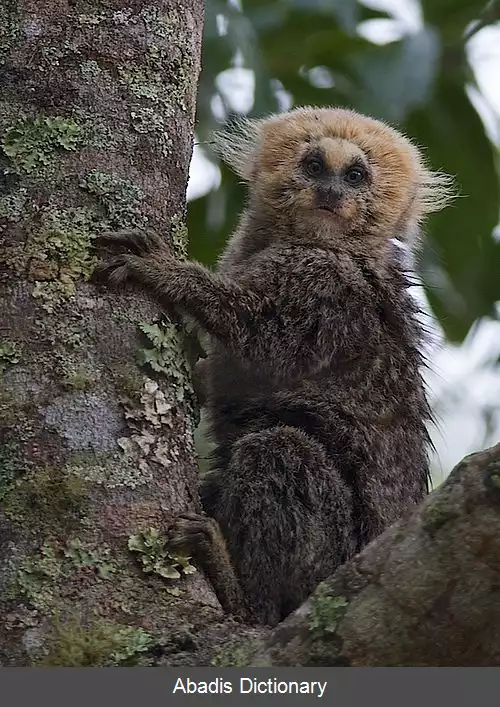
x=287, y=516
x=210, y=491
x=202, y=537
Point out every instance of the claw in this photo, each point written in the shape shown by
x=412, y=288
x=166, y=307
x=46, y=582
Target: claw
x=139, y=242
x=115, y=270
x=190, y=531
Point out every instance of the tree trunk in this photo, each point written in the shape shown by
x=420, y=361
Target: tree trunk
x=96, y=118
x=96, y=123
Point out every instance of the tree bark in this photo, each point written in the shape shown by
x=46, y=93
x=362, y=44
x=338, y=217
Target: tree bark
x=96, y=119
x=97, y=103
x=425, y=593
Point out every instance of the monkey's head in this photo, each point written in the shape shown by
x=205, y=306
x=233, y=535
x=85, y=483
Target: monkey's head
x=334, y=172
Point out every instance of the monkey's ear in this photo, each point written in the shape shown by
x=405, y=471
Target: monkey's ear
x=436, y=191
x=237, y=145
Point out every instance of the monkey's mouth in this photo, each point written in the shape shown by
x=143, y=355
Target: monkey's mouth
x=336, y=210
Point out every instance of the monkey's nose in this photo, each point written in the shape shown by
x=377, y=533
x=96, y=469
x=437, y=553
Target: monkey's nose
x=329, y=198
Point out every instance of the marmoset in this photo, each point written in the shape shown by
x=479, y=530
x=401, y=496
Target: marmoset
x=314, y=375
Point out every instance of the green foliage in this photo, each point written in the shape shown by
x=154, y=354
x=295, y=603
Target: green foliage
x=31, y=142
x=151, y=548
x=312, y=50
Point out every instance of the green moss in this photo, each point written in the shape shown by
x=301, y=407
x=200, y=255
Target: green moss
x=95, y=131
x=235, y=654
x=438, y=511
x=36, y=577
x=100, y=644
x=10, y=353
x=56, y=253
x=179, y=235
x=10, y=466
x=163, y=79
x=90, y=69
x=54, y=496
x=10, y=27
x=147, y=121
x=13, y=206
x=30, y=143
x=88, y=20
x=143, y=83
x=130, y=383
x=326, y=612
x=151, y=549
x=83, y=555
x=112, y=471
x=78, y=380
x=122, y=200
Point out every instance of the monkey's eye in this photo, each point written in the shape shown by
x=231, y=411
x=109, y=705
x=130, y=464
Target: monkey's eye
x=314, y=167
x=355, y=176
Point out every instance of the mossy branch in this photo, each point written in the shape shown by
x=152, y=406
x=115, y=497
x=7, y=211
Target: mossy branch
x=423, y=594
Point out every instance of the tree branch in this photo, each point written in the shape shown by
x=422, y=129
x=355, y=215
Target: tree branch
x=425, y=593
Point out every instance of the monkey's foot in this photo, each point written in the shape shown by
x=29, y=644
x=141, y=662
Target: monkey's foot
x=202, y=538
x=195, y=534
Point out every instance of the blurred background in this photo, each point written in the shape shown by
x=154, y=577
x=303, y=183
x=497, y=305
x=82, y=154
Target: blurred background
x=429, y=67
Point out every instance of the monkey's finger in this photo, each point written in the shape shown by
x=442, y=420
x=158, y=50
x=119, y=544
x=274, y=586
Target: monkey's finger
x=193, y=517
x=116, y=270
x=137, y=241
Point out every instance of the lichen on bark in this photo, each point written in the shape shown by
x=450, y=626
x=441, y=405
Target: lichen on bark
x=96, y=124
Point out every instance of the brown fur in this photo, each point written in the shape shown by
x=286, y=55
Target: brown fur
x=314, y=384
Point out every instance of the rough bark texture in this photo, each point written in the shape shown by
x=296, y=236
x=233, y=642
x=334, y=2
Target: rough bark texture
x=426, y=593
x=97, y=104
x=96, y=119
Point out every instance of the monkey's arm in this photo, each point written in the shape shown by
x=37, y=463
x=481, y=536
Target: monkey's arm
x=224, y=309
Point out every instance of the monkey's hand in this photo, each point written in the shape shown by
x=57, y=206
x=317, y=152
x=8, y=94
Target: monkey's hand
x=221, y=306
x=202, y=538
x=145, y=259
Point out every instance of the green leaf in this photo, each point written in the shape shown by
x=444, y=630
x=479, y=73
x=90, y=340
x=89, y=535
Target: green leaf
x=394, y=78
x=153, y=332
x=346, y=12
x=136, y=543
x=452, y=16
x=189, y=569
x=105, y=570
x=167, y=571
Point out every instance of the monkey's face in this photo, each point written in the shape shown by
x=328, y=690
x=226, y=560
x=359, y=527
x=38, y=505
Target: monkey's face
x=335, y=172
x=332, y=182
